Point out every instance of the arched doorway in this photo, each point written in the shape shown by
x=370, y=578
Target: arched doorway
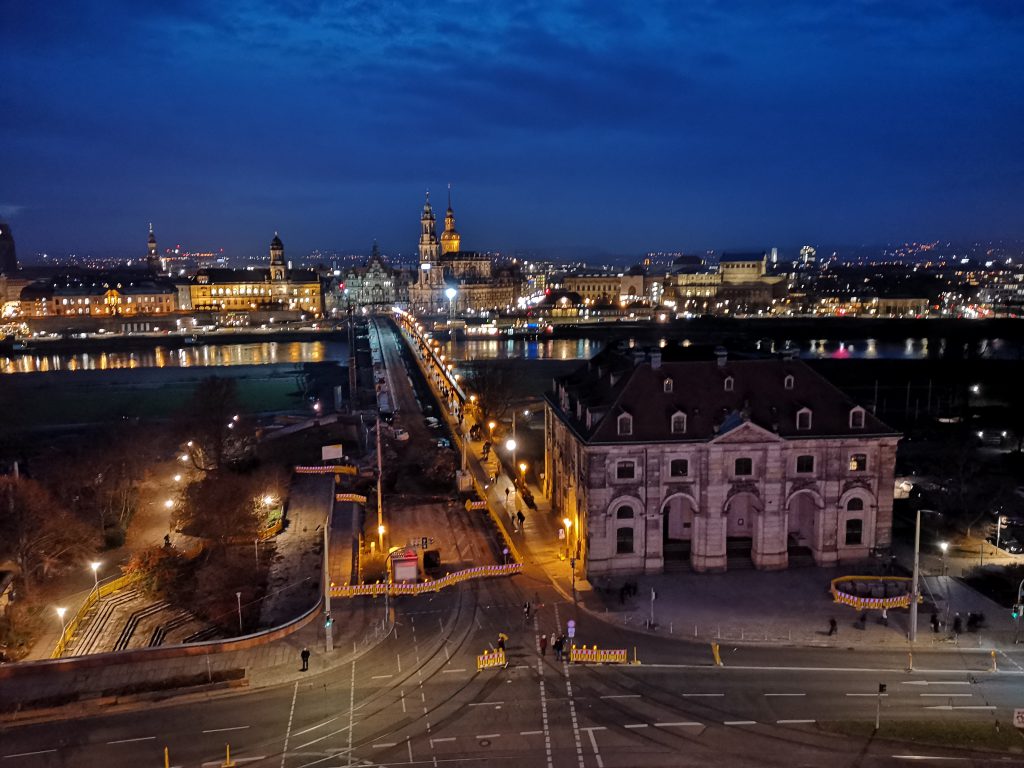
x=802, y=533
x=677, y=527
x=739, y=525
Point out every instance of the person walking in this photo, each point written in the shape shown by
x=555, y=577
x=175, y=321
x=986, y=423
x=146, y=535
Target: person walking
x=556, y=646
x=935, y=622
x=521, y=518
x=501, y=641
x=526, y=612
x=543, y=645
x=885, y=617
x=833, y=628
x=305, y=658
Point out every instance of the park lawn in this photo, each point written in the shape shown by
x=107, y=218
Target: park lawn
x=985, y=735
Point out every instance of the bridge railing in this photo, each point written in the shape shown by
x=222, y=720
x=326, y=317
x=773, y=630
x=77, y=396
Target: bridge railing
x=423, y=587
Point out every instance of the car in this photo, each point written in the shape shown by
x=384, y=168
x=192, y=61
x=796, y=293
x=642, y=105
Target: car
x=444, y=442
x=432, y=423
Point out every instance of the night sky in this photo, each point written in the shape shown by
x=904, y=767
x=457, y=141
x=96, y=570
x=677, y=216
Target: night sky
x=571, y=128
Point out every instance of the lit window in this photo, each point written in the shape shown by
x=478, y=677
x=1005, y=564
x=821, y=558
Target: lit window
x=679, y=468
x=625, y=470
x=858, y=462
x=804, y=464
x=743, y=467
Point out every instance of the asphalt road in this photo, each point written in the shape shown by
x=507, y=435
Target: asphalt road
x=417, y=699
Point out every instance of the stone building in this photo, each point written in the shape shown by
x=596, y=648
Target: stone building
x=679, y=456
x=98, y=294
x=375, y=284
x=479, y=283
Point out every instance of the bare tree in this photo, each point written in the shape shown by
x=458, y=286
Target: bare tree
x=493, y=384
x=218, y=438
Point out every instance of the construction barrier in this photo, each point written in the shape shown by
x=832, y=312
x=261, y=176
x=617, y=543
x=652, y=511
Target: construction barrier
x=334, y=469
x=432, y=585
x=863, y=603
x=491, y=660
x=479, y=504
x=595, y=655
x=351, y=497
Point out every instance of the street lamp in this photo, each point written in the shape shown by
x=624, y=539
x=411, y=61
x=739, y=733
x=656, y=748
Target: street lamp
x=914, y=589
x=380, y=538
x=450, y=293
x=63, y=626
x=522, y=472
x=568, y=528
x=169, y=503
x=95, y=574
x=944, y=546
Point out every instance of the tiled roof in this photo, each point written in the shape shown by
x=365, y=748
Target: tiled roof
x=631, y=382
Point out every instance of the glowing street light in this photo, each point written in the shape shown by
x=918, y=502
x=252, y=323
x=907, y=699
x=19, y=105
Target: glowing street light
x=169, y=504
x=95, y=565
x=522, y=470
x=380, y=538
x=944, y=546
x=63, y=626
x=177, y=478
x=268, y=500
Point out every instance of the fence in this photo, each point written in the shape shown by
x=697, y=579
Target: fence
x=491, y=659
x=862, y=602
x=422, y=587
x=594, y=655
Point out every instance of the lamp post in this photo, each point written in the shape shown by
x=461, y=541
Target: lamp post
x=914, y=589
x=63, y=626
x=450, y=293
x=95, y=574
x=238, y=596
x=380, y=538
x=944, y=546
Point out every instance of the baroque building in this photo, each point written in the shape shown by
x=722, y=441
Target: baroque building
x=375, y=284
x=274, y=288
x=672, y=455
x=479, y=284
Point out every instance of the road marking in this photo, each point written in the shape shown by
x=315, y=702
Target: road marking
x=460, y=669
x=441, y=740
x=222, y=730
x=544, y=713
x=792, y=722
x=398, y=660
x=785, y=694
x=29, y=754
x=622, y=696
x=408, y=743
x=288, y=730
x=935, y=682
x=859, y=670
x=352, y=706
x=928, y=757
x=699, y=695
x=381, y=677
x=593, y=745
x=530, y=733
x=236, y=761
x=740, y=722
x=883, y=695
x=635, y=725
x=948, y=695
x=129, y=741
x=485, y=703
x=401, y=695
x=684, y=724
x=385, y=745
x=964, y=706
x=594, y=728
x=314, y=741
x=572, y=706
x=313, y=727
x=487, y=736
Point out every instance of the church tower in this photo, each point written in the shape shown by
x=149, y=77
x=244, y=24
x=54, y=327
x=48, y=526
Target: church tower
x=430, y=272
x=152, y=257
x=277, y=267
x=450, y=238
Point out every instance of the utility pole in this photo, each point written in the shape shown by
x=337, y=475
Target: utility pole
x=878, y=706
x=328, y=631
x=914, y=584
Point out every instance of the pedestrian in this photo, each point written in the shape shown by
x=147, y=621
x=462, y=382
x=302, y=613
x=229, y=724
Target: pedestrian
x=305, y=658
x=526, y=611
x=958, y=625
x=521, y=518
x=543, y=645
x=167, y=539
x=935, y=622
x=864, y=620
x=833, y=628
x=885, y=617
x=556, y=646
x=501, y=641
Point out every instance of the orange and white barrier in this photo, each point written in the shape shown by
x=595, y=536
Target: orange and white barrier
x=351, y=497
x=479, y=504
x=876, y=603
x=595, y=655
x=491, y=660
x=335, y=469
x=432, y=585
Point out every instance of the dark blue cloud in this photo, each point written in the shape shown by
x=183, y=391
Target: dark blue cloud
x=583, y=124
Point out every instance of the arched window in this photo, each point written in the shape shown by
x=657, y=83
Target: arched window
x=729, y=383
x=855, y=505
x=857, y=418
x=667, y=385
x=678, y=423
x=788, y=382
x=625, y=424
x=624, y=541
x=624, y=513
x=803, y=418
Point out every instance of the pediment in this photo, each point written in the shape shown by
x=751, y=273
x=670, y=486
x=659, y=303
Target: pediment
x=747, y=432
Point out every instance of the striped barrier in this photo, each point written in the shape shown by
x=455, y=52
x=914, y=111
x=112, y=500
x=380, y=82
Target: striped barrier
x=334, y=469
x=479, y=504
x=423, y=587
x=491, y=660
x=595, y=655
x=351, y=497
x=862, y=603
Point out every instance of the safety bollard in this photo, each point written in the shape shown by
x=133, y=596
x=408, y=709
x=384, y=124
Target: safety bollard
x=910, y=661
x=228, y=762
x=716, y=654
x=994, y=668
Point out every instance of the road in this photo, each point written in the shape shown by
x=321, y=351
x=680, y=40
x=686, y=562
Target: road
x=417, y=699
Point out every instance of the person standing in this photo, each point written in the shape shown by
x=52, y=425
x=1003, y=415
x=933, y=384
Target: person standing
x=305, y=658
x=832, y=627
x=556, y=646
x=543, y=645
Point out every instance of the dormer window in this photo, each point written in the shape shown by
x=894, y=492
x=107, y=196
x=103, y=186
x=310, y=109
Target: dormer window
x=678, y=423
x=625, y=424
x=789, y=382
x=729, y=383
x=667, y=385
x=803, y=418
x=857, y=418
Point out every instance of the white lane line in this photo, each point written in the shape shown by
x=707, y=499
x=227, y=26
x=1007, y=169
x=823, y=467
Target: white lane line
x=314, y=741
x=948, y=695
x=384, y=744
x=485, y=703
x=699, y=695
x=29, y=754
x=382, y=677
x=460, y=669
x=964, y=706
x=352, y=707
x=398, y=660
x=622, y=696
x=935, y=682
x=635, y=725
x=222, y=730
x=442, y=740
x=487, y=736
x=593, y=745
x=313, y=727
x=883, y=695
x=785, y=694
x=594, y=728
x=288, y=730
x=129, y=741
x=793, y=722
x=236, y=761
x=572, y=706
x=928, y=757
x=684, y=724
x=408, y=742
x=530, y=733
x=740, y=722
x=401, y=695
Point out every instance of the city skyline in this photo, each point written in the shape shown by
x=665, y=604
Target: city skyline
x=694, y=129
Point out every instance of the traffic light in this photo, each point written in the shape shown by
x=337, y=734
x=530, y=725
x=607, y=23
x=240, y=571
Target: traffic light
x=328, y=621
x=1018, y=609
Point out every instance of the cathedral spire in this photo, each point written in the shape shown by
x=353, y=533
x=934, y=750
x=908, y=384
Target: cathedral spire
x=450, y=238
x=152, y=257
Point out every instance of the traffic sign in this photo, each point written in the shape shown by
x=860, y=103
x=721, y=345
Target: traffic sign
x=570, y=627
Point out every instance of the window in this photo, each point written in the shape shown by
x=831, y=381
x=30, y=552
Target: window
x=854, y=531
x=625, y=470
x=803, y=418
x=744, y=467
x=624, y=541
x=857, y=418
x=804, y=464
x=667, y=385
x=678, y=423
x=728, y=383
x=788, y=382
x=625, y=424
x=858, y=462
x=679, y=468
x=855, y=505
x=624, y=513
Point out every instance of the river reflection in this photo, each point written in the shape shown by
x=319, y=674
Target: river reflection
x=258, y=353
